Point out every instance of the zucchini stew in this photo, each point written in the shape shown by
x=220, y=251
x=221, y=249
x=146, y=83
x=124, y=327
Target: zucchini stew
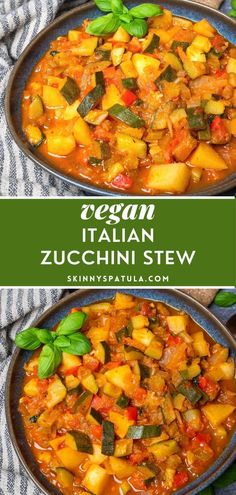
x=141, y=399
x=149, y=113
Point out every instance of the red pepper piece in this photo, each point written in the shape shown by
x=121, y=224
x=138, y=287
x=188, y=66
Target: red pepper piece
x=122, y=181
x=72, y=371
x=129, y=97
x=132, y=413
x=180, y=479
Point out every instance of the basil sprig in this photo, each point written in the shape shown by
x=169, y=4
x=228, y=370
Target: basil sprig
x=225, y=299
x=232, y=12
x=133, y=20
x=66, y=338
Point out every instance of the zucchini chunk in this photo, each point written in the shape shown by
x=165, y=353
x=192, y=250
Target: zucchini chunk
x=130, y=83
x=34, y=135
x=125, y=115
x=168, y=74
x=70, y=90
x=163, y=450
x=35, y=108
x=146, y=431
x=123, y=332
x=65, y=478
x=123, y=401
x=94, y=417
x=192, y=393
x=123, y=447
x=108, y=438
x=91, y=100
x=153, y=43
x=83, y=442
x=103, y=353
x=83, y=403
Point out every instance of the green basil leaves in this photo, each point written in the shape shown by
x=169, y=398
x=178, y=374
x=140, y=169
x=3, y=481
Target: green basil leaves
x=49, y=360
x=146, y=10
x=28, y=339
x=232, y=12
x=225, y=299
x=66, y=338
x=131, y=20
x=71, y=323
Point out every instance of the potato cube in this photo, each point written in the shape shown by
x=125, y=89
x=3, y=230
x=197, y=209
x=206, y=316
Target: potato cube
x=139, y=321
x=31, y=388
x=56, y=392
x=206, y=157
x=204, y=28
x=231, y=66
x=177, y=324
x=96, y=480
x=60, y=145
x=146, y=65
x=121, y=35
x=131, y=145
x=81, y=132
x=173, y=177
x=217, y=413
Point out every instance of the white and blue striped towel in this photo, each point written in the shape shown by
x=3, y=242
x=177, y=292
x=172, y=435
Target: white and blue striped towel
x=18, y=309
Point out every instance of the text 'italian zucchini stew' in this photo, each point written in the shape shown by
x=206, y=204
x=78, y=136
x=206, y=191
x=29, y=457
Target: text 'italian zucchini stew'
x=141, y=399
x=148, y=108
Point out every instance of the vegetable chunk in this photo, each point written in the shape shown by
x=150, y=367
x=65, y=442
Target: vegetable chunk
x=172, y=178
x=206, y=157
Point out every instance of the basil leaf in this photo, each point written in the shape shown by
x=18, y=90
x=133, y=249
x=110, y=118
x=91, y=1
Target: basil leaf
x=146, y=10
x=62, y=341
x=228, y=477
x=209, y=490
x=232, y=13
x=125, y=10
x=49, y=360
x=117, y=6
x=79, y=344
x=27, y=339
x=225, y=299
x=233, y=3
x=103, y=5
x=126, y=18
x=103, y=25
x=71, y=323
x=44, y=336
x=138, y=28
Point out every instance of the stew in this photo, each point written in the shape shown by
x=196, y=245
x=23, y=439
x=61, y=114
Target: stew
x=148, y=409
x=146, y=116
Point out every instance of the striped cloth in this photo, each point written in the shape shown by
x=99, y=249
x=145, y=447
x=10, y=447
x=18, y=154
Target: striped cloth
x=19, y=308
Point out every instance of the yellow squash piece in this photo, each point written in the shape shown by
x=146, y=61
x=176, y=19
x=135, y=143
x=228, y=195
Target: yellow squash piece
x=217, y=413
x=164, y=21
x=74, y=35
x=163, y=450
x=205, y=156
x=231, y=66
x=200, y=345
x=90, y=384
x=82, y=132
x=120, y=376
x=128, y=69
x=173, y=177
